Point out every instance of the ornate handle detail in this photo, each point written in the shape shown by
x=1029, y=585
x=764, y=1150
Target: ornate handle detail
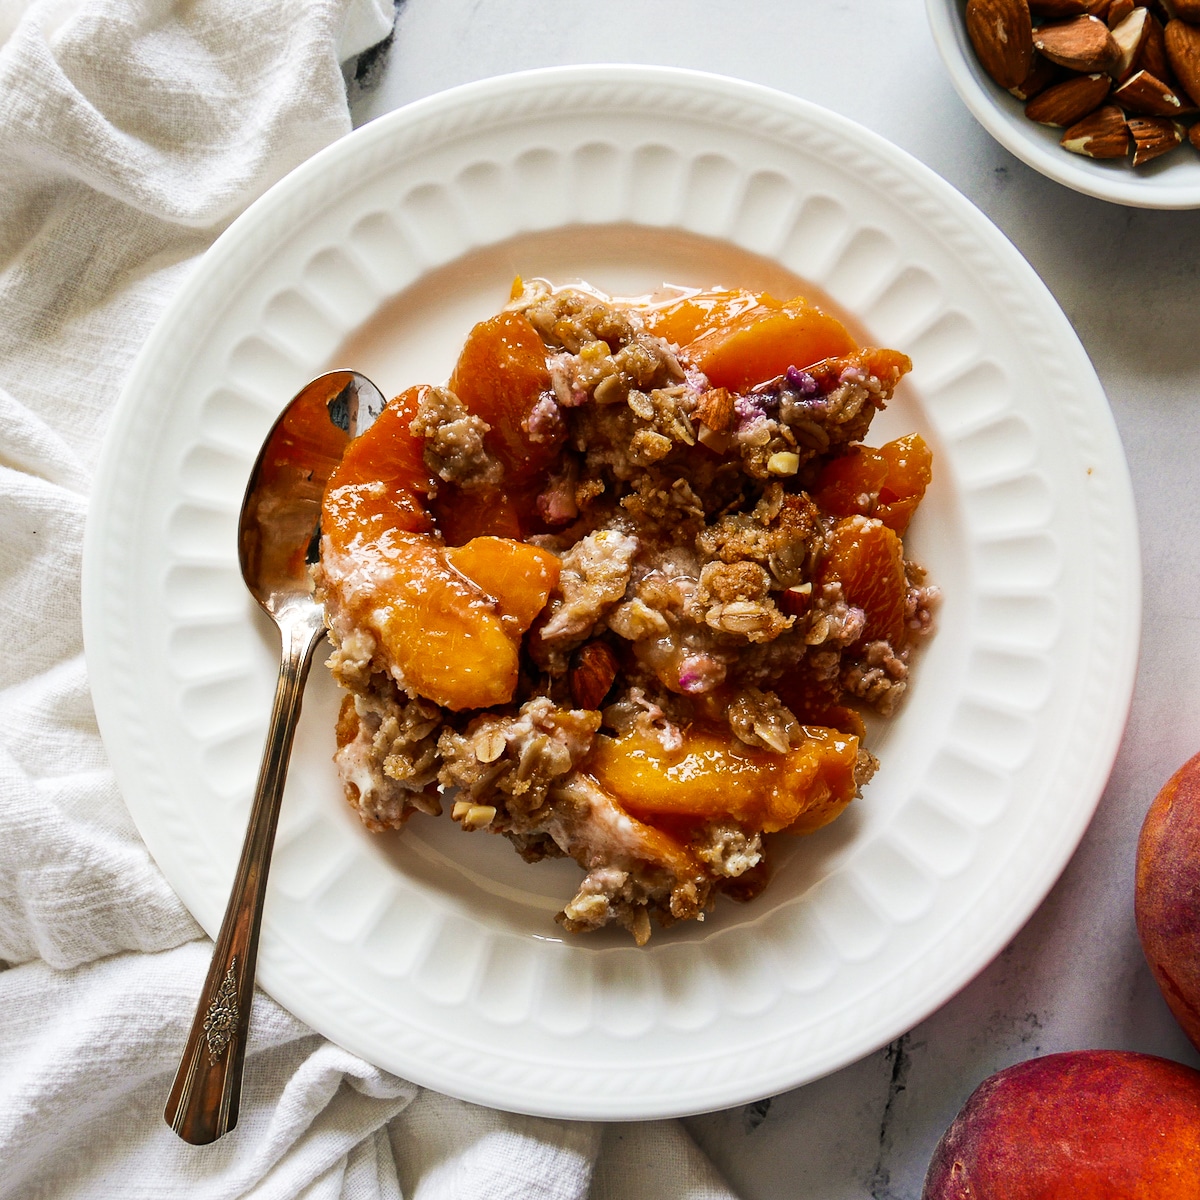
x=221, y=1020
x=203, y=1103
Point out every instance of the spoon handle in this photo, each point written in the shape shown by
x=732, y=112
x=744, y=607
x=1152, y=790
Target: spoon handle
x=203, y=1103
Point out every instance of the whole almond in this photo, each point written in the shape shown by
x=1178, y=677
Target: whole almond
x=1117, y=11
x=1131, y=35
x=1186, y=10
x=1041, y=75
x=1143, y=93
x=1101, y=134
x=1183, y=52
x=1082, y=44
x=1066, y=102
x=1194, y=136
x=1153, y=137
x=1002, y=33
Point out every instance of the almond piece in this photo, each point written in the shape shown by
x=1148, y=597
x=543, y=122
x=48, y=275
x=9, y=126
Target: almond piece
x=1183, y=52
x=1153, y=137
x=1002, y=33
x=715, y=409
x=1041, y=75
x=1130, y=36
x=1057, y=10
x=1117, y=11
x=795, y=601
x=1142, y=93
x=591, y=674
x=1066, y=102
x=1082, y=44
x=1101, y=134
x=1152, y=56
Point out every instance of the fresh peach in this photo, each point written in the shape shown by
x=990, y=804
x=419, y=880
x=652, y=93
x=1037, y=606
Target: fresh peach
x=1087, y=1124
x=1167, y=894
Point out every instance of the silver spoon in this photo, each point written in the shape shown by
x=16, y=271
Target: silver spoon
x=277, y=543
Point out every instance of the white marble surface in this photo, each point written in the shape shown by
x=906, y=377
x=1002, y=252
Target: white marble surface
x=1074, y=976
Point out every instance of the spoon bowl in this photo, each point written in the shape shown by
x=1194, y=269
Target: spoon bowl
x=278, y=541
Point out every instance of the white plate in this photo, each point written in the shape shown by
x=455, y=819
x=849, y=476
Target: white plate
x=434, y=953
x=1170, y=182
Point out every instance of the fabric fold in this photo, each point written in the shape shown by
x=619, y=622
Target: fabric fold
x=86, y=1060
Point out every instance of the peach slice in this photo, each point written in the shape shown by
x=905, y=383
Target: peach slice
x=382, y=482
x=500, y=376
x=448, y=621
x=712, y=777
x=517, y=576
x=740, y=339
x=867, y=558
x=887, y=483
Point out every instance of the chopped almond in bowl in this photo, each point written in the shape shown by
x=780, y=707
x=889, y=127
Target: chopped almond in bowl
x=1099, y=95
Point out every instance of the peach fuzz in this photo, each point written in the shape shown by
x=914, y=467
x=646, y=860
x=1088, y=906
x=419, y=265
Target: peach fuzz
x=1167, y=894
x=1086, y=1124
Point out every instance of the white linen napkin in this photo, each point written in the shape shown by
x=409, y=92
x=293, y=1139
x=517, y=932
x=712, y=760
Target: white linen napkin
x=131, y=133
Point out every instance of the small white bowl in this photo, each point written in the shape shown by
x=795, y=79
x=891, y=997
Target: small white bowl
x=1172, y=181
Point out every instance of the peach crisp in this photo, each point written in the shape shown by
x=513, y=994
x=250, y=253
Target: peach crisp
x=619, y=590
